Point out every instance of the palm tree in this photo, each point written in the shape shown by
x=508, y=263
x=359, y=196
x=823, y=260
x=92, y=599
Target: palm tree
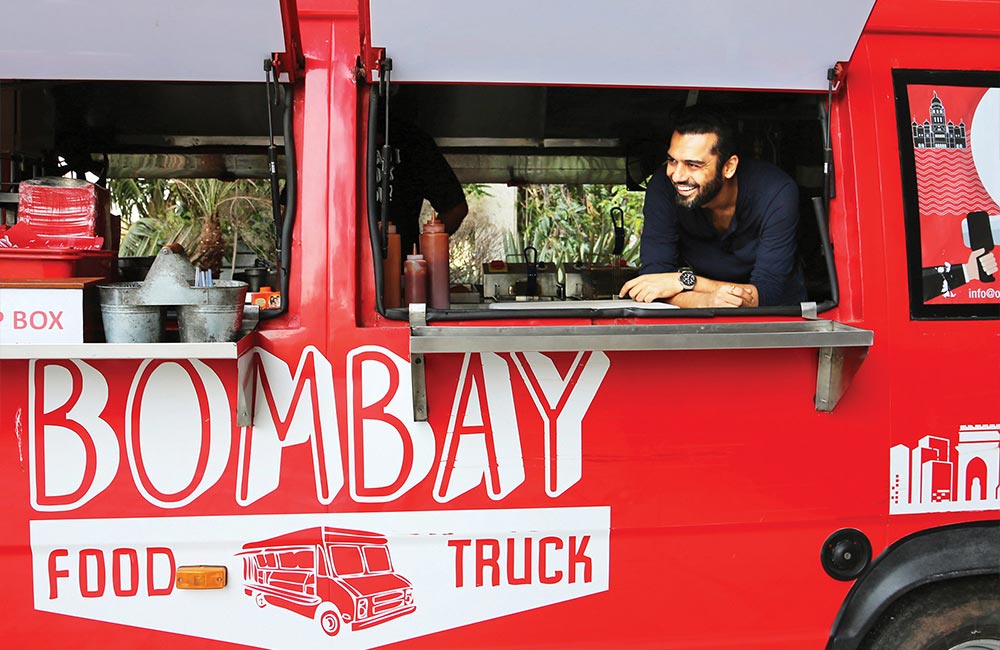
x=149, y=216
x=201, y=215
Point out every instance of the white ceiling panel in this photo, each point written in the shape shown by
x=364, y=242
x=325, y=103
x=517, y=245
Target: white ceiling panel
x=766, y=44
x=164, y=40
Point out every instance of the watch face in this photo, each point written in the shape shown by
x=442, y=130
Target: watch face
x=688, y=280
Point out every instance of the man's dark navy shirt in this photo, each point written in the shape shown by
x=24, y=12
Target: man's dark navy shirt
x=759, y=248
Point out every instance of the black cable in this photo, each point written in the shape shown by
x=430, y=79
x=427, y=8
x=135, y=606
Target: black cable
x=373, y=214
x=387, y=157
x=828, y=184
x=831, y=268
x=271, y=81
x=291, y=194
x=822, y=206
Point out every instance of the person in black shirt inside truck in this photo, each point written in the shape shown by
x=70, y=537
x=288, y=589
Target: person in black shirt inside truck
x=421, y=173
x=719, y=231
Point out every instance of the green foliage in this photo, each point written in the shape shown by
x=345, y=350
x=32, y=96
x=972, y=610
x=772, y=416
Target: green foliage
x=157, y=212
x=572, y=223
x=149, y=215
x=147, y=235
x=476, y=190
x=143, y=197
x=242, y=208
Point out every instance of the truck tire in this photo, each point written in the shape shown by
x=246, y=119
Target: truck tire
x=962, y=614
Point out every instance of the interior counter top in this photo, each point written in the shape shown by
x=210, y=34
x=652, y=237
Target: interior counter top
x=610, y=303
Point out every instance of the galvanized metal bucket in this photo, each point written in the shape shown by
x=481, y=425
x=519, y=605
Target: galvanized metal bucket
x=216, y=315
x=125, y=321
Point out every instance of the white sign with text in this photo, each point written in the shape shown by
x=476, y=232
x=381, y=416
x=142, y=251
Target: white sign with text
x=41, y=316
x=297, y=581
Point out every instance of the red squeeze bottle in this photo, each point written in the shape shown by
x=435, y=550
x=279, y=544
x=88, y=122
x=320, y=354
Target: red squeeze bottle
x=391, y=269
x=434, y=246
x=415, y=277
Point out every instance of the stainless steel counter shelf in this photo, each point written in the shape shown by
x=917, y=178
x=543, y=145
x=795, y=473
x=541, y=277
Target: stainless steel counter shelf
x=121, y=351
x=841, y=348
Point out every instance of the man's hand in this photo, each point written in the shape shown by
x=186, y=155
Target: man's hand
x=652, y=286
x=452, y=218
x=988, y=261
x=729, y=295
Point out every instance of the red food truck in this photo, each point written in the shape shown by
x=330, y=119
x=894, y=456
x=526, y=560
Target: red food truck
x=545, y=468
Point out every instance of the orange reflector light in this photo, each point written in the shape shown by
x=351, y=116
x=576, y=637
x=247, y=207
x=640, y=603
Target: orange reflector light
x=201, y=577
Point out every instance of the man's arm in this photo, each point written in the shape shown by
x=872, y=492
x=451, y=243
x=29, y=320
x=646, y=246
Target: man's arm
x=706, y=292
x=440, y=185
x=660, y=235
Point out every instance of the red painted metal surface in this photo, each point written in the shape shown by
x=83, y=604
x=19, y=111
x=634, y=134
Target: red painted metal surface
x=291, y=61
x=713, y=476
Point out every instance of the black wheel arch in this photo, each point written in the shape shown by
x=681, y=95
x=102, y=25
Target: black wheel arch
x=933, y=555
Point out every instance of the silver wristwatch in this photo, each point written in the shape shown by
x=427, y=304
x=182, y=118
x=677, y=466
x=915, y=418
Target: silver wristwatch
x=688, y=279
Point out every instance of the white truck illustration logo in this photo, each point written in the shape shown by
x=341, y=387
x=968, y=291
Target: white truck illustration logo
x=335, y=576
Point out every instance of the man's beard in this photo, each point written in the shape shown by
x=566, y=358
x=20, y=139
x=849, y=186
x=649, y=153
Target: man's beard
x=706, y=193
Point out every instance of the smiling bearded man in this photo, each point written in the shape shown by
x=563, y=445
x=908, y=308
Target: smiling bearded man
x=718, y=231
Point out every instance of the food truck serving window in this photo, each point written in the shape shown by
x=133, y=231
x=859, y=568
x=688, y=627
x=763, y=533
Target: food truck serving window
x=560, y=172
x=949, y=142
x=560, y=99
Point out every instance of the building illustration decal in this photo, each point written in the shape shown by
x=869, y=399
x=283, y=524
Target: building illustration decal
x=334, y=576
x=939, y=476
x=938, y=132
x=948, y=181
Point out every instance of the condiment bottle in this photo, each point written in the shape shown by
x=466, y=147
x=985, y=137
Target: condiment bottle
x=415, y=277
x=391, y=269
x=434, y=246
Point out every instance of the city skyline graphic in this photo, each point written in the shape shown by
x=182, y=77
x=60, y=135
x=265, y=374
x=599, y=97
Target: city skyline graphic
x=939, y=475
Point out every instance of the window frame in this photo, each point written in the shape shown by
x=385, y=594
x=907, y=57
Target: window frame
x=375, y=105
